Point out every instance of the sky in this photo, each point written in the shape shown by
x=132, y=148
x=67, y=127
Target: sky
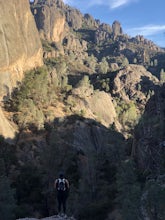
x=137, y=17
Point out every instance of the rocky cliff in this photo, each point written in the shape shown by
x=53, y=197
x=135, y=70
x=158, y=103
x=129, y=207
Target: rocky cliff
x=129, y=81
x=20, y=46
x=55, y=22
x=149, y=146
x=50, y=21
x=67, y=26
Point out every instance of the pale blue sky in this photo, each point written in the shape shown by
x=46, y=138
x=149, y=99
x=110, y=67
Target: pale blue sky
x=137, y=17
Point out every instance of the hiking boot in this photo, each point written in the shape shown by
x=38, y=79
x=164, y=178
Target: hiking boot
x=59, y=215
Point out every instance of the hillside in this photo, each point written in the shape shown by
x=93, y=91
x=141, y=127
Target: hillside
x=92, y=107
x=65, y=30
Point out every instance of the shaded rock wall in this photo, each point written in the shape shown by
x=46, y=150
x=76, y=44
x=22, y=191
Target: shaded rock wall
x=149, y=142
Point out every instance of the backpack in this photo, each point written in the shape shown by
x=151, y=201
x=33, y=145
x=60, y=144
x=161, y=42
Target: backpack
x=61, y=184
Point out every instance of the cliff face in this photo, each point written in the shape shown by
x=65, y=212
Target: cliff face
x=129, y=81
x=50, y=22
x=149, y=146
x=20, y=47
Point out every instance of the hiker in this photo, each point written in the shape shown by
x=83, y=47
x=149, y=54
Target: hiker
x=62, y=186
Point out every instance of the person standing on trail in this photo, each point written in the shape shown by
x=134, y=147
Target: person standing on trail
x=62, y=186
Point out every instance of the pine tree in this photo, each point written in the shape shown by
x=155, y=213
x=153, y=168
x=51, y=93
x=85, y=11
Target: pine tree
x=103, y=66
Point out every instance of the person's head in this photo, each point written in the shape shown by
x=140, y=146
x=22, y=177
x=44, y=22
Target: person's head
x=61, y=175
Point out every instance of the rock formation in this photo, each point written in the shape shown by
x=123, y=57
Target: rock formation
x=127, y=80
x=20, y=47
x=73, y=18
x=149, y=136
x=96, y=105
x=50, y=22
x=90, y=21
x=102, y=33
x=6, y=128
x=55, y=21
x=117, y=29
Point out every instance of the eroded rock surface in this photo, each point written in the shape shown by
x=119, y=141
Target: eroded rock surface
x=20, y=48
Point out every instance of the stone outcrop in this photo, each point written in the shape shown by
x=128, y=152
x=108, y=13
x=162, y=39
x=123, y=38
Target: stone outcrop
x=103, y=33
x=105, y=27
x=55, y=20
x=20, y=49
x=6, y=129
x=74, y=44
x=127, y=81
x=149, y=143
x=50, y=21
x=117, y=29
x=149, y=43
x=90, y=21
x=92, y=104
x=74, y=18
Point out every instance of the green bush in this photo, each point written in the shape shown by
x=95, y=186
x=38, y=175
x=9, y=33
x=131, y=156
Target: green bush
x=31, y=97
x=127, y=113
x=46, y=46
x=103, y=66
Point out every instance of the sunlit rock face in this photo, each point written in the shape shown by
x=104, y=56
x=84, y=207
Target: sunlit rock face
x=50, y=19
x=20, y=46
x=20, y=50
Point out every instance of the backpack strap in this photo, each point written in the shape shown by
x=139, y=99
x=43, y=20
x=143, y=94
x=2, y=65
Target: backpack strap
x=61, y=185
x=65, y=180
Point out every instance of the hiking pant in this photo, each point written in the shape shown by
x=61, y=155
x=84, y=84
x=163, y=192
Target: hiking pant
x=61, y=198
